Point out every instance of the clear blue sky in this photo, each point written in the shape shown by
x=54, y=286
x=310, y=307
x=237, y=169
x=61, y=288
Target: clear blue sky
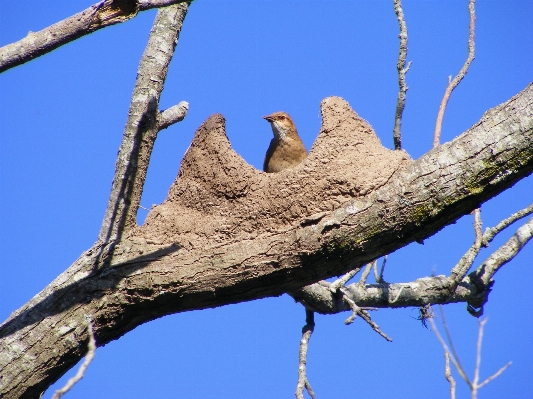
x=61, y=121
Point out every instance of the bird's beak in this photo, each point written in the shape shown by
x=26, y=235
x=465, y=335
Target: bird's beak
x=268, y=118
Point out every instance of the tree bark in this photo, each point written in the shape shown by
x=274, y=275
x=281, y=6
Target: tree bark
x=228, y=233
x=100, y=15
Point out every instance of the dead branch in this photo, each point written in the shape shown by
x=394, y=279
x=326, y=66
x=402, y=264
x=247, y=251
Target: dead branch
x=448, y=374
x=449, y=338
x=452, y=84
x=463, y=266
x=478, y=355
x=341, y=282
x=473, y=385
x=455, y=361
x=366, y=272
x=402, y=70
x=337, y=288
x=172, y=115
x=476, y=383
x=100, y=15
x=357, y=310
x=502, y=255
x=490, y=233
x=478, y=226
x=303, y=381
x=495, y=375
x=379, y=276
x=421, y=292
x=143, y=124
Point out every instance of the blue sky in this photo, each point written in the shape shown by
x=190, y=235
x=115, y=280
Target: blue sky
x=61, y=121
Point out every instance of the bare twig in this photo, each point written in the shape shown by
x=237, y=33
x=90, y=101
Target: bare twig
x=458, y=367
x=303, y=382
x=461, y=268
x=379, y=277
x=495, y=375
x=398, y=295
x=490, y=233
x=366, y=272
x=340, y=282
x=452, y=84
x=474, y=385
x=337, y=287
x=504, y=254
x=173, y=115
x=375, y=269
x=449, y=338
x=91, y=349
x=402, y=70
x=97, y=16
x=478, y=225
x=356, y=310
x=448, y=374
x=478, y=352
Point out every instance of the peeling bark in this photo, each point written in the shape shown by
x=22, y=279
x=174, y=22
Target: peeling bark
x=229, y=233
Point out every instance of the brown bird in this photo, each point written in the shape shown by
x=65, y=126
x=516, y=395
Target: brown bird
x=286, y=150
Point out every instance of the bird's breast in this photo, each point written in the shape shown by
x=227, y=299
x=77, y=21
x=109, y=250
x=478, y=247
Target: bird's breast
x=284, y=154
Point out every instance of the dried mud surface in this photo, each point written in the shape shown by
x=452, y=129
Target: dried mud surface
x=217, y=196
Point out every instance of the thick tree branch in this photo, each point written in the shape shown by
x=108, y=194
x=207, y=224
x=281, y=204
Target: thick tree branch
x=143, y=124
x=426, y=290
x=98, y=16
x=220, y=237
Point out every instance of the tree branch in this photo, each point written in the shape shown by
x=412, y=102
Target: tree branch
x=363, y=312
x=303, y=382
x=455, y=82
x=142, y=125
x=448, y=374
x=490, y=233
x=173, y=115
x=100, y=15
x=402, y=70
x=502, y=255
x=455, y=362
x=463, y=266
x=220, y=237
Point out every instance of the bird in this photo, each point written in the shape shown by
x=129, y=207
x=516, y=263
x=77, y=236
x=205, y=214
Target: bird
x=286, y=149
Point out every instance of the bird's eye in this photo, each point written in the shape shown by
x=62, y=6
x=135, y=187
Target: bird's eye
x=282, y=117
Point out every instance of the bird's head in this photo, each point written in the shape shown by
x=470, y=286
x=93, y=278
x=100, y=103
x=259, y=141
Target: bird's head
x=282, y=125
